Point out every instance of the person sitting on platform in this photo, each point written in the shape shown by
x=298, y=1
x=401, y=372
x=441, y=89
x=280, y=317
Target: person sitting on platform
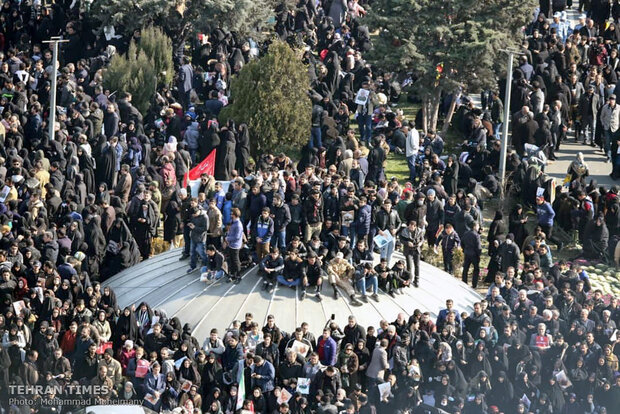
x=271, y=267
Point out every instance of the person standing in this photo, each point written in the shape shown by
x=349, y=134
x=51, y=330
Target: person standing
x=313, y=214
x=185, y=79
x=412, y=238
x=388, y=223
x=198, y=238
x=434, y=216
x=214, y=214
x=264, y=232
x=234, y=242
x=281, y=216
x=610, y=119
x=412, y=147
x=186, y=206
x=588, y=110
x=497, y=114
x=545, y=215
x=365, y=109
x=472, y=248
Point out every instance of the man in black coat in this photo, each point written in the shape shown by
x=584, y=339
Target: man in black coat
x=353, y=332
x=281, y=216
x=510, y=255
x=472, y=248
x=49, y=250
x=198, y=236
x=412, y=239
x=388, y=223
x=106, y=163
x=156, y=340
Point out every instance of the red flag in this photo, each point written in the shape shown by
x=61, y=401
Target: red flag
x=206, y=166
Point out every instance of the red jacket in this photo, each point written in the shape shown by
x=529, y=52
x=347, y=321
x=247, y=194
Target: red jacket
x=67, y=344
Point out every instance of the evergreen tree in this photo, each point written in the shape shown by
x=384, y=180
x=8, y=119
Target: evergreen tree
x=133, y=72
x=446, y=45
x=180, y=18
x=271, y=95
x=158, y=49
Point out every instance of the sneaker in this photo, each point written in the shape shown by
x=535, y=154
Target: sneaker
x=318, y=296
x=391, y=293
x=375, y=297
x=355, y=302
x=364, y=298
x=190, y=270
x=303, y=295
x=400, y=291
x=237, y=281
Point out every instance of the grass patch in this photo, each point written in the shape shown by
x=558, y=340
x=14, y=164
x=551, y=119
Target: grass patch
x=396, y=166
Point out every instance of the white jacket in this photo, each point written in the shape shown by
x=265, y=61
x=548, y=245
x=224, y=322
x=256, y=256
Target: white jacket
x=412, y=146
x=610, y=117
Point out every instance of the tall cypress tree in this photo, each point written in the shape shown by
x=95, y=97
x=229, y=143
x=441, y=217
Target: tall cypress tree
x=271, y=95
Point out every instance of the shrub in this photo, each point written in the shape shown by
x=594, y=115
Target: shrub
x=270, y=95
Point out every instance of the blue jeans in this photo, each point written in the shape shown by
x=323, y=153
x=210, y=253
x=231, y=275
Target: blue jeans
x=363, y=283
x=197, y=249
x=497, y=129
x=365, y=125
x=345, y=230
x=411, y=164
x=279, y=237
x=283, y=281
x=608, y=137
x=213, y=274
x=315, y=137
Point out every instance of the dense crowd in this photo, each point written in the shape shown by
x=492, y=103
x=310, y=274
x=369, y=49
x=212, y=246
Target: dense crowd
x=79, y=207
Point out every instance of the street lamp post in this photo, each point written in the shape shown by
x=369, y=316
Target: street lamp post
x=504, y=142
x=52, y=118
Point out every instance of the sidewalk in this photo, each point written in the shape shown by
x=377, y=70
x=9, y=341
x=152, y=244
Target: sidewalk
x=599, y=169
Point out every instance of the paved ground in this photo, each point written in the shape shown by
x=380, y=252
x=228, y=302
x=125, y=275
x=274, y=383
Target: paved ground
x=599, y=169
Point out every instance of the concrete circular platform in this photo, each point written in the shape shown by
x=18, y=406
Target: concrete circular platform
x=162, y=282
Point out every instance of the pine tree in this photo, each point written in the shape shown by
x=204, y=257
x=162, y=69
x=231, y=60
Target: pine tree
x=158, y=49
x=134, y=73
x=446, y=45
x=270, y=95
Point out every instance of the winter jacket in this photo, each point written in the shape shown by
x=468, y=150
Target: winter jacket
x=234, y=238
x=378, y=364
x=264, y=229
x=192, y=135
x=281, y=217
x=199, y=232
x=363, y=219
x=327, y=349
x=545, y=214
x=471, y=243
x=267, y=373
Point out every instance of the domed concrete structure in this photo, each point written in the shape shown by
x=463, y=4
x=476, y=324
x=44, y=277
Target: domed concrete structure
x=162, y=282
